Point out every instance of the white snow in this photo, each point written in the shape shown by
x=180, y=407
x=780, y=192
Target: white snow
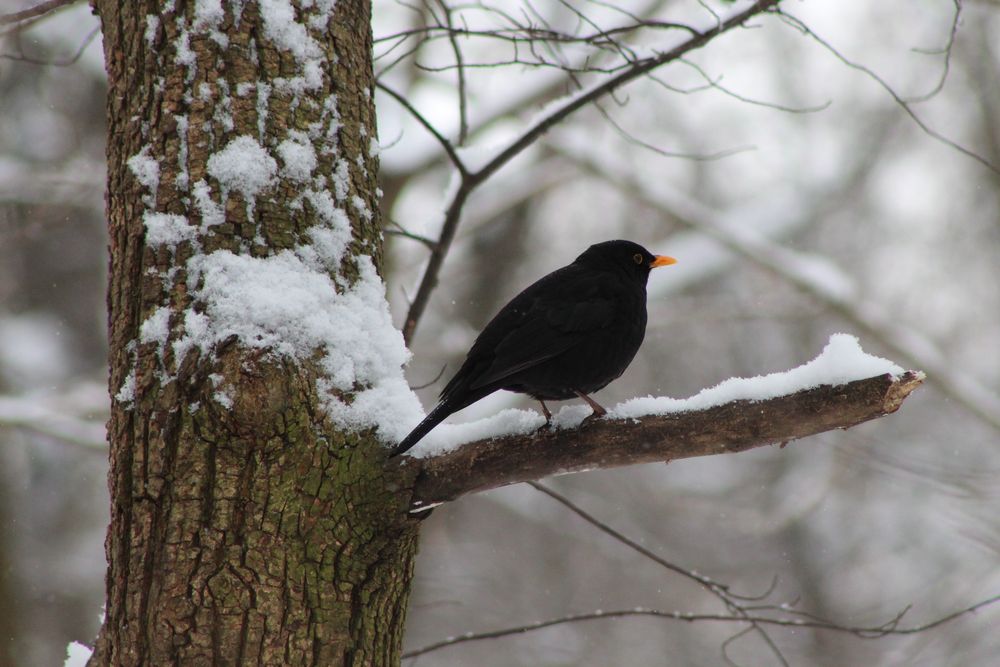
x=243, y=165
x=208, y=14
x=291, y=306
x=185, y=56
x=152, y=26
x=77, y=655
x=840, y=362
x=297, y=156
x=281, y=28
x=146, y=170
x=212, y=213
x=182, y=178
x=167, y=229
x=126, y=393
x=156, y=327
x=223, y=399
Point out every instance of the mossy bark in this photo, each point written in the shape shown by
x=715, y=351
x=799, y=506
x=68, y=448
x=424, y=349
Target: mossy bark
x=248, y=530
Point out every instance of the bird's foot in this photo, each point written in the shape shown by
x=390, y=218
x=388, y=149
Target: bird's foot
x=598, y=409
x=546, y=427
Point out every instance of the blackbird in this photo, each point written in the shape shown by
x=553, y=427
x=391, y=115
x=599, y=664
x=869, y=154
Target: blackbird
x=569, y=334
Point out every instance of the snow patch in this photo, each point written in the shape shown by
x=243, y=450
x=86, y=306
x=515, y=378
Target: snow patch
x=208, y=14
x=152, y=27
x=77, y=655
x=211, y=212
x=126, y=393
x=284, y=304
x=243, y=165
x=167, y=229
x=298, y=157
x=281, y=28
x=840, y=362
x=156, y=327
x=146, y=170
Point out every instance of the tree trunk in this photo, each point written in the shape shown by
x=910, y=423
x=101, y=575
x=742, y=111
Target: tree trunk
x=245, y=528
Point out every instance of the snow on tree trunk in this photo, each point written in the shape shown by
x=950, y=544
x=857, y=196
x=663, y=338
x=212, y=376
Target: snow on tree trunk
x=252, y=356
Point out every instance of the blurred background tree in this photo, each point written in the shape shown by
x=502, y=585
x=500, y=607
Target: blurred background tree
x=859, y=217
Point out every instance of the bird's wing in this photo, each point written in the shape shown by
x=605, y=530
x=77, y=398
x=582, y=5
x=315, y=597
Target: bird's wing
x=541, y=323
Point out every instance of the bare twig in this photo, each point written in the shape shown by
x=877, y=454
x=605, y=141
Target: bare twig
x=700, y=579
x=698, y=157
x=714, y=83
x=399, y=230
x=732, y=601
x=432, y=380
x=463, y=120
x=946, y=50
x=891, y=627
x=801, y=26
x=420, y=118
x=39, y=10
x=66, y=62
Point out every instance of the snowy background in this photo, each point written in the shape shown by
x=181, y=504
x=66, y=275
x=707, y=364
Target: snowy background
x=833, y=213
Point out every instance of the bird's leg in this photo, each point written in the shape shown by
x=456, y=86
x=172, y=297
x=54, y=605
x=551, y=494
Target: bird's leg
x=545, y=411
x=599, y=411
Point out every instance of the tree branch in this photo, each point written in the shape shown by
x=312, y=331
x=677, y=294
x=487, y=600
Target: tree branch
x=608, y=443
x=41, y=9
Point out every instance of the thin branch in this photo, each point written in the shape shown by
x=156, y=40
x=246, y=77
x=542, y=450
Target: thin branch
x=863, y=632
x=399, y=230
x=731, y=600
x=420, y=118
x=516, y=102
x=697, y=157
x=800, y=25
x=463, y=120
x=39, y=10
x=56, y=63
x=526, y=34
x=432, y=380
x=714, y=83
x=946, y=50
x=700, y=579
x=471, y=180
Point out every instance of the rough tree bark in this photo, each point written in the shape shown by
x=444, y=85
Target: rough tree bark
x=243, y=531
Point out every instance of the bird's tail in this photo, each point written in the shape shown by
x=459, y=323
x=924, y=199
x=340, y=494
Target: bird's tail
x=436, y=416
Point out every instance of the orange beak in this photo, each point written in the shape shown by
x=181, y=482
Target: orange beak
x=662, y=260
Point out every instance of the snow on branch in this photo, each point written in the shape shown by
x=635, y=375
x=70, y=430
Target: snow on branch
x=842, y=387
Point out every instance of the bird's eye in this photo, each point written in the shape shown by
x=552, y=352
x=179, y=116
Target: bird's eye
x=638, y=258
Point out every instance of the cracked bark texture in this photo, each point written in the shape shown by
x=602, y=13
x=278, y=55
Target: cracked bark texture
x=251, y=533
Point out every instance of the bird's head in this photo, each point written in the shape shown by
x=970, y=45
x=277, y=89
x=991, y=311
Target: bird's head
x=625, y=256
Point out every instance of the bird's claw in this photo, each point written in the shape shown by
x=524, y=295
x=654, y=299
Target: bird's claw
x=547, y=426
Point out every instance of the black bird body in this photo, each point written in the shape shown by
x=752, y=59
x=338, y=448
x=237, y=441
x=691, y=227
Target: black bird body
x=569, y=334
